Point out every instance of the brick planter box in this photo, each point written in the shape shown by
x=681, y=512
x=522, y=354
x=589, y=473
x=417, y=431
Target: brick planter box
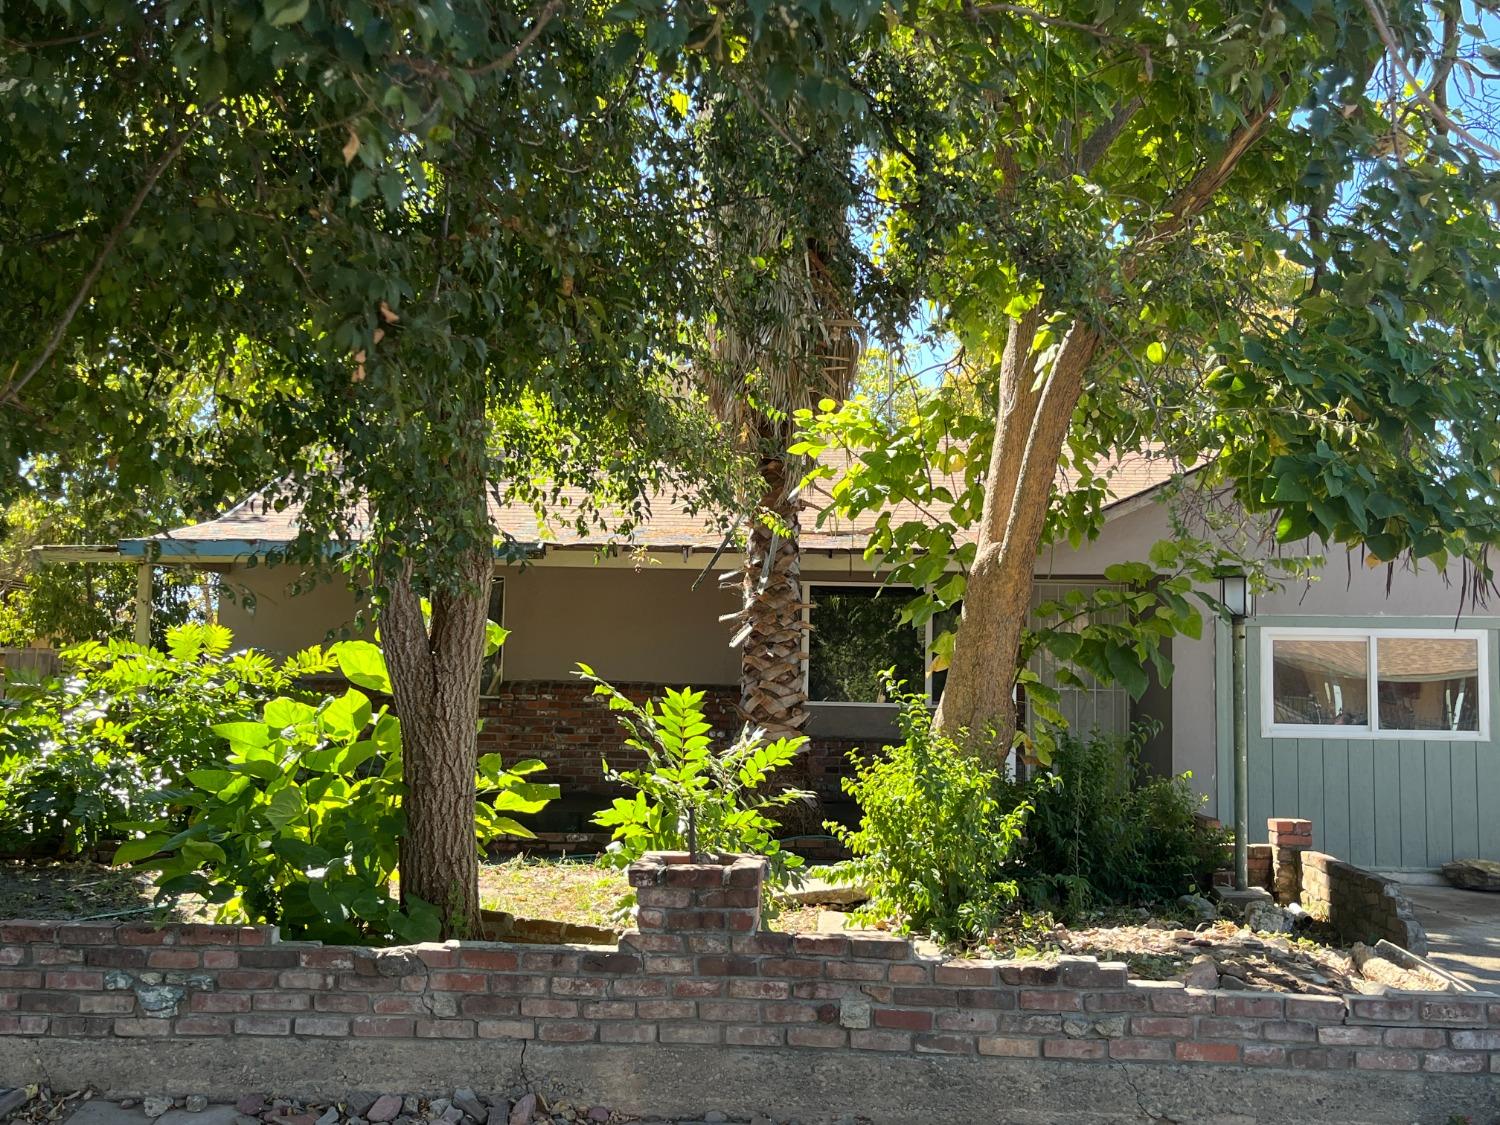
x=699, y=971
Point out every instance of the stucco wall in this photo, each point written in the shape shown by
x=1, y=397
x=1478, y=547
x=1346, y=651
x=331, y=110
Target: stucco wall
x=259, y=606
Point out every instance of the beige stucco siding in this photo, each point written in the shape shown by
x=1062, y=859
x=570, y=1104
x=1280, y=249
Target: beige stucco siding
x=646, y=625
x=258, y=605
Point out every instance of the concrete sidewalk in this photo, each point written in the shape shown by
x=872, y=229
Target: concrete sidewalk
x=1463, y=931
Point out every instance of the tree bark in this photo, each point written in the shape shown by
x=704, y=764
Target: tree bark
x=435, y=680
x=773, y=692
x=1031, y=424
x=979, y=695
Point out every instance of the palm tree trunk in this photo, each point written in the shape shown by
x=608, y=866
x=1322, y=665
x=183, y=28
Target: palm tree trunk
x=773, y=685
x=773, y=692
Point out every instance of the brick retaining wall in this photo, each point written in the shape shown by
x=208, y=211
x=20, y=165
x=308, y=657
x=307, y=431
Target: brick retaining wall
x=1360, y=905
x=565, y=725
x=699, y=971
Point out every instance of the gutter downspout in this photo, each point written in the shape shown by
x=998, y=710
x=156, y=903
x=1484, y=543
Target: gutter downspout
x=1241, y=759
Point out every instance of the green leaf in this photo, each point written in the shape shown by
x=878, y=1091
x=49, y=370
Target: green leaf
x=363, y=663
x=243, y=735
x=284, y=13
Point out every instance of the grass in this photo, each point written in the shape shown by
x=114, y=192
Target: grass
x=575, y=891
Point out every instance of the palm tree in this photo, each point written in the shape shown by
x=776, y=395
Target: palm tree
x=784, y=338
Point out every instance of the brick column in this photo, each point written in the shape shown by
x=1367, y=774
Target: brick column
x=715, y=895
x=1289, y=839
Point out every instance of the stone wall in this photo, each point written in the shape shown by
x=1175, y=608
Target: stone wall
x=565, y=725
x=1360, y=905
x=699, y=972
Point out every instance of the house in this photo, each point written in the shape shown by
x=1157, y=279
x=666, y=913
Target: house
x=1372, y=696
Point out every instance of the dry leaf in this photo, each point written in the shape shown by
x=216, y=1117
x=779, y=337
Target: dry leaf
x=351, y=146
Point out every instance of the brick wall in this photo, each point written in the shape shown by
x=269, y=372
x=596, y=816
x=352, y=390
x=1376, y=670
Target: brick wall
x=1360, y=905
x=699, y=971
x=565, y=725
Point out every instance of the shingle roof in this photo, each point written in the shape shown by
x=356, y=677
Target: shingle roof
x=255, y=524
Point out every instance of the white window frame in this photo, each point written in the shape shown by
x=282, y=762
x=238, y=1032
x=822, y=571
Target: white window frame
x=1370, y=732
x=807, y=603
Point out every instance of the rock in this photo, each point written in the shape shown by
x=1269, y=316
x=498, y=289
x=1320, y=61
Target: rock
x=155, y=1107
x=246, y=1119
x=499, y=1114
x=1202, y=973
x=714, y=1117
x=436, y=1107
x=359, y=1102
x=1232, y=984
x=451, y=1116
x=1473, y=874
x=598, y=1113
x=1199, y=907
x=411, y=1104
x=523, y=1111
x=195, y=1103
x=1110, y=1027
x=1268, y=918
x=384, y=1108
x=251, y=1103
x=330, y=1116
x=820, y=892
x=1077, y=1027
x=469, y=1102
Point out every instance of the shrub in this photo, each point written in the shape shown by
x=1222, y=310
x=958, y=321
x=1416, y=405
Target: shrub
x=936, y=833
x=1106, y=832
x=720, y=796
x=300, y=823
x=123, y=724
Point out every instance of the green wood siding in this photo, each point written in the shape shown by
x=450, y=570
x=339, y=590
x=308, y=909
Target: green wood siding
x=1387, y=803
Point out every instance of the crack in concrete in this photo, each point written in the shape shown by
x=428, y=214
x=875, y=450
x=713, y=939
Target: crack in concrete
x=1140, y=1099
x=521, y=1065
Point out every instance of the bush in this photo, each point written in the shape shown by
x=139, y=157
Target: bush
x=938, y=829
x=300, y=823
x=1105, y=832
x=122, y=725
x=720, y=795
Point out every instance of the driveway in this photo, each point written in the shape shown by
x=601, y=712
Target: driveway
x=1463, y=931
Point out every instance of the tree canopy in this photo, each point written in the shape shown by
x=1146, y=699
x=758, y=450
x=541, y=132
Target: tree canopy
x=1235, y=237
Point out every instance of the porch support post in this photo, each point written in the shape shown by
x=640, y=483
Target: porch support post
x=1241, y=760
x=143, y=603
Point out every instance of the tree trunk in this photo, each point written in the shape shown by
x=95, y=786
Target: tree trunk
x=773, y=692
x=435, y=680
x=1031, y=426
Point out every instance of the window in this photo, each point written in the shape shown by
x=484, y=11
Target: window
x=491, y=674
x=857, y=632
x=1371, y=683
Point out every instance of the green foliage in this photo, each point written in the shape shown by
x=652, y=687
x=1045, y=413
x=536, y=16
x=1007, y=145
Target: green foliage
x=62, y=501
x=935, y=458
x=937, y=832
x=722, y=794
x=300, y=823
x=97, y=745
x=1103, y=831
